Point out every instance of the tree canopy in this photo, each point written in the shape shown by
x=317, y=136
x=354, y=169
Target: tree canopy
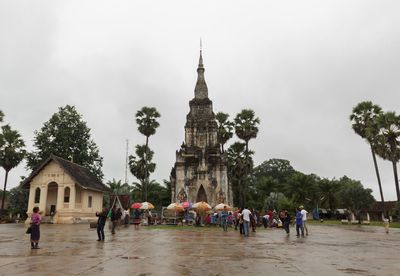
x=67, y=136
x=225, y=129
x=12, y=152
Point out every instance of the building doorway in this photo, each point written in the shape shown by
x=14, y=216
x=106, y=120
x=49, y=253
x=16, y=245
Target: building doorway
x=201, y=194
x=51, y=202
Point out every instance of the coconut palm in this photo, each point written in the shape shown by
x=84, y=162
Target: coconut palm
x=364, y=123
x=119, y=188
x=328, y=194
x=12, y=152
x=388, y=146
x=225, y=129
x=145, y=186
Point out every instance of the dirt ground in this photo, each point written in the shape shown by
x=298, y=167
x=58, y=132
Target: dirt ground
x=73, y=250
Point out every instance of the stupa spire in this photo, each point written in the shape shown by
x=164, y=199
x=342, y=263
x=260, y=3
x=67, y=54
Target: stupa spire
x=201, y=90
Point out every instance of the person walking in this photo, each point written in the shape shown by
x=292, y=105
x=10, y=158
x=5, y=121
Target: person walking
x=304, y=214
x=236, y=215
x=101, y=222
x=114, y=219
x=126, y=217
x=286, y=221
x=253, y=220
x=36, y=219
x=224, y=219
x=246, y=221
x=299, y=223
x=136, y=218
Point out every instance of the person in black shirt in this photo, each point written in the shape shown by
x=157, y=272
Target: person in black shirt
x=101, y=222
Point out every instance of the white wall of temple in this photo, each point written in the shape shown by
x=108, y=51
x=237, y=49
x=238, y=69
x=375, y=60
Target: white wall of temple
x=52, y=181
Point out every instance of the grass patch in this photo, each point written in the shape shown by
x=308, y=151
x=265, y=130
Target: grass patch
x=338, y=222
x=184, y=227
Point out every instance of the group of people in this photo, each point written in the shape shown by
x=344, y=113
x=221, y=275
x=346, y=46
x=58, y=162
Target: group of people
x=244, y=219
x=117, y=217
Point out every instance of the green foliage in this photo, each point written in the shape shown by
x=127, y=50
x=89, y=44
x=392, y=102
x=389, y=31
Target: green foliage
x=396, y=212
x=302, y=189
x=364, y=118
x=239, y=166
x=225, y=129
x=18, y=201
x=388, y=142
x=1, y=116
x=141, y=165
x=329, y=190
x=276, y=185
x=146, y=120
x=119, y=188
x=12, y=148
x=354, y=197
x=388, y=136
x=67, y=136
x=279, y=169
x=157, y=194
x=284, y=203
x=246, y=125
x=12, y=152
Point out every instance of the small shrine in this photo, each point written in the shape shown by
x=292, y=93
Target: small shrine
x=64, y=191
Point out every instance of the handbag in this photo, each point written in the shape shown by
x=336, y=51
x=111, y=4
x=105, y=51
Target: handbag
x=29, y=230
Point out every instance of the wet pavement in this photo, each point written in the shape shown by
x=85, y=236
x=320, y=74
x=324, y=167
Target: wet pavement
x=73, y=250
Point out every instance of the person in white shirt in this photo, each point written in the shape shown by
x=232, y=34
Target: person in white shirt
x=304, y=214
x=246, y=221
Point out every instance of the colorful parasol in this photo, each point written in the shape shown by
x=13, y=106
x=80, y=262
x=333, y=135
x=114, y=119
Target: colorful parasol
x=177, y=207
x=201, y=206
x=221, y=207
x=146, y=206
x=187, y=204
x=136, y=205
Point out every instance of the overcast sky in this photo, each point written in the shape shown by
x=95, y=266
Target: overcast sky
x=300, y=65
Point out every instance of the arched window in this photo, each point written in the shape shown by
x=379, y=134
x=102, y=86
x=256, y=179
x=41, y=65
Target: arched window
x=66, y=194
x=37, y=195
x=90, y=202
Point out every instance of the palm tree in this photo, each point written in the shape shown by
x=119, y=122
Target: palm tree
x=389, y=142
x=329, y=193
x=246, y=126
x=239, y=165
x=225, y=129
x=12, y=152
x=141, y=165
x=118, y=188
x=364, y=123
x=302, y=188
x=147, y=123
x=142, y=187
x=146, y=118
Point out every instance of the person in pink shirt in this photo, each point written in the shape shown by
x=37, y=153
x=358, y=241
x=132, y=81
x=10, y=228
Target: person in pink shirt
x=36, y=219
